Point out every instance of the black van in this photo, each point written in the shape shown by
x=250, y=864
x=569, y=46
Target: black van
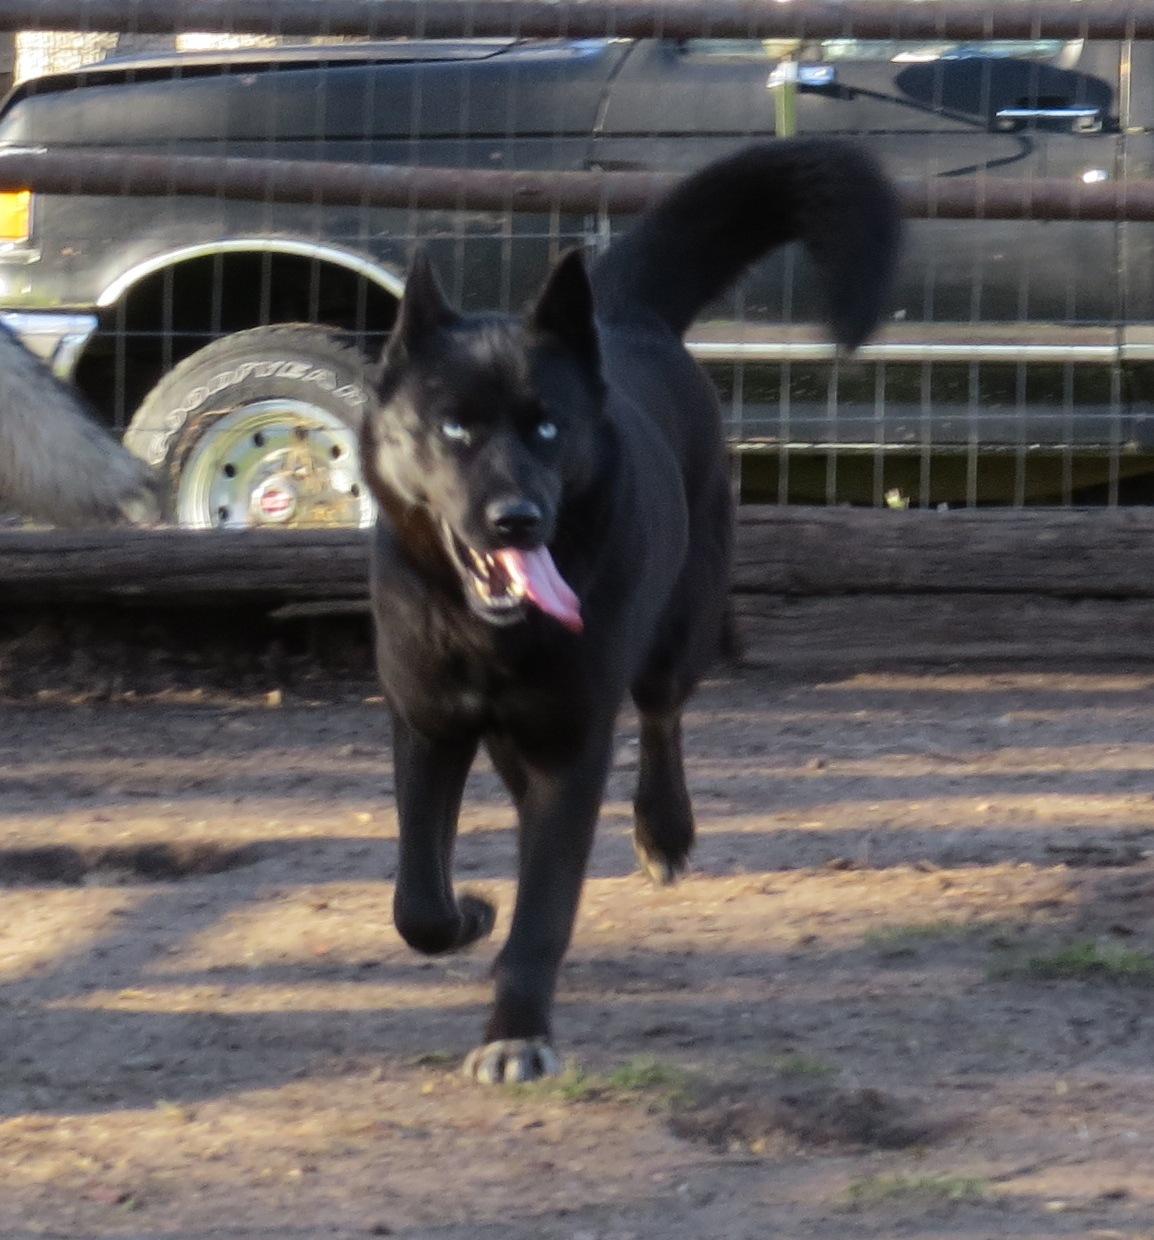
x=1016, y=344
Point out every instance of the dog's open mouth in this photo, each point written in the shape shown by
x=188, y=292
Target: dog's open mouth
x=499, y=584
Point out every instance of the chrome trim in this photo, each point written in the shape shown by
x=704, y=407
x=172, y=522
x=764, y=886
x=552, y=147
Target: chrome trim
x=1137, y=344
x=13, y=255
x=381, y=276
x=858, y=447
x=1046, y=114
x=58, y=339
x=816, y=75
x=68, y=352
x=911, y=352
x=1006, y=343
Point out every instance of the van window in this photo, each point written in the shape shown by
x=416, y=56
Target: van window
x=895, y=50
x=904, y=51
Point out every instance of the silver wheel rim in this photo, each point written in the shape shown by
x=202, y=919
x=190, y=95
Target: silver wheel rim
x=273, y=463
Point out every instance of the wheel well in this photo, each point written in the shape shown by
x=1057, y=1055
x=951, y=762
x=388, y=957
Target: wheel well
x=173, y=312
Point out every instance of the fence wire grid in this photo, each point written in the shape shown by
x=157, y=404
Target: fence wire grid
x=1016, y=367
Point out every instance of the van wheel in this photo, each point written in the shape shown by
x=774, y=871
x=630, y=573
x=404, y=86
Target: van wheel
x=260, y=428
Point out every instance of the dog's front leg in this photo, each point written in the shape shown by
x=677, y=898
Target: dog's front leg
x=430, y=779
x=558, y=811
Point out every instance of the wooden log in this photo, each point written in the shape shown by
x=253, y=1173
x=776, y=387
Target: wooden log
x=878, y=631
x=185, y=566
x=1088, y=553
x=801, y=552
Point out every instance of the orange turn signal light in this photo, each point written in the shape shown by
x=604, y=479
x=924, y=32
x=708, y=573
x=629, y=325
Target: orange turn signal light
x=15, y=215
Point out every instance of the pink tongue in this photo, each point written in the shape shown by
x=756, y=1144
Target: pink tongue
x=543, y=584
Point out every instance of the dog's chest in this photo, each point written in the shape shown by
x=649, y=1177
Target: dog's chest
x=532, y=690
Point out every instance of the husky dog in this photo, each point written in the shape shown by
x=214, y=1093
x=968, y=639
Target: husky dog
x=555, y=533
x=56, y=463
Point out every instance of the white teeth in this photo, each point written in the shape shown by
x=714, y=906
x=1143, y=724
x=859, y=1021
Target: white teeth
x=517, y=579
x=479, y=573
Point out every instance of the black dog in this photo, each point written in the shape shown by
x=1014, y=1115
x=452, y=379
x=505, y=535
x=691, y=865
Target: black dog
x=556, y=531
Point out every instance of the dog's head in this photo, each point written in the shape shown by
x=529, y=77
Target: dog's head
x=489, y=424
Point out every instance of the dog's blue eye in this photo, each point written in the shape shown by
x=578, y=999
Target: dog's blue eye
x=546, y=430
x=455, y=431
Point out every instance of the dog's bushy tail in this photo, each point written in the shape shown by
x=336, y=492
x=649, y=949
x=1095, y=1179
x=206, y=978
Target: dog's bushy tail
x=695, y=242
x=56, y=463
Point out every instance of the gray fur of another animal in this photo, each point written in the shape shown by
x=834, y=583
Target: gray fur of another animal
x=57, y=464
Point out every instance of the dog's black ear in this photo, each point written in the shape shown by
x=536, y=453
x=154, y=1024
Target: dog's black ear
x=565, y=307
x=423, y=309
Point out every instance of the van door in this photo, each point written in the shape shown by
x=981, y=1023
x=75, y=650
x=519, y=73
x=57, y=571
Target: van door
x=989, y=111
x=995, y=110
x=990, y=294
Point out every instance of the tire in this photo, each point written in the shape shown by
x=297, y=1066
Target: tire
x=259, y=429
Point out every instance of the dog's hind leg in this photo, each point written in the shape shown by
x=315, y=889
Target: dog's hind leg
x=663, y=827
x=506, y=759
x=697, y=625
x=430, y=780
x=662, y=812
x=558, y=812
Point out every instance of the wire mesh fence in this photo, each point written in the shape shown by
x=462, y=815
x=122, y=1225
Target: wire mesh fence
x=1015, y=367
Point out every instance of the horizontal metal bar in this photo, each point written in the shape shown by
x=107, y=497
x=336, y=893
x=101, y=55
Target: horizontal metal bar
x=887, y=19
x=1048, y=198
x=303, y=181
x=314, y=182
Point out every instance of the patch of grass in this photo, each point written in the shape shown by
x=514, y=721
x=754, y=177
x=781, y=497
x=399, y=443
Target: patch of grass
x=1085, y=961
x=647, y=1076
x=638, y=1080
x=798, y=1064
x=881, y=1190
x=904, y=939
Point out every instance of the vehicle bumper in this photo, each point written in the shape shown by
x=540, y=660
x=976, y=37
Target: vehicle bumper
x=57, y=339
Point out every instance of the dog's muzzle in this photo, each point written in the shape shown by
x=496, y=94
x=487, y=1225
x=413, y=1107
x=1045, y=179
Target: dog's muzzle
x=499, y=584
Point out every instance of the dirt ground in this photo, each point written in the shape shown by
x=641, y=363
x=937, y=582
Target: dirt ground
x=906, y=990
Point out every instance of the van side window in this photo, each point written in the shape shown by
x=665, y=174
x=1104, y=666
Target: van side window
x=898, y=51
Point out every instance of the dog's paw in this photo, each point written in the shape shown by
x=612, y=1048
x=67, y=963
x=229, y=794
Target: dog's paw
x=446, y=930
x=662, y=869
x=512, y=1061
x=478, y=916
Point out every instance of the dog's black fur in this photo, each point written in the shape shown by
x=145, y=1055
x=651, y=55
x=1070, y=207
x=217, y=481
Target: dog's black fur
x=587, y=428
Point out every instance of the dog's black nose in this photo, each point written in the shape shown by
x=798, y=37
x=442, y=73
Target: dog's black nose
x=514, y=518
